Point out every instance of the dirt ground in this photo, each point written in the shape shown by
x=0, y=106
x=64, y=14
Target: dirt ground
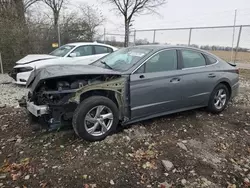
x=198, y=150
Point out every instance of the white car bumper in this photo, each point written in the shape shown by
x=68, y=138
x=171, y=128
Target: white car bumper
x=22, y=77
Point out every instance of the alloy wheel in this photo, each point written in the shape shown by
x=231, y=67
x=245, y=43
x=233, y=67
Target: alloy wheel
x=220, y=99
x=98, y=120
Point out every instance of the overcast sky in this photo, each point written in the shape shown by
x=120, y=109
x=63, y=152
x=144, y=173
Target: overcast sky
x=185, y=13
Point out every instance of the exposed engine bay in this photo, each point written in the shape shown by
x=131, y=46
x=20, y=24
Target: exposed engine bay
x=52, y=91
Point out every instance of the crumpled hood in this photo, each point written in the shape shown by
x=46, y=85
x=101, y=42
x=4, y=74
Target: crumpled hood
x=56, y=71
x=34, y=58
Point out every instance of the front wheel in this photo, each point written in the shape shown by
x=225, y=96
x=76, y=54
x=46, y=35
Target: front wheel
x=218, y=99
x=95, y=118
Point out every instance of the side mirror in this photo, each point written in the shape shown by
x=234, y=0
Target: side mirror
x=73, y=54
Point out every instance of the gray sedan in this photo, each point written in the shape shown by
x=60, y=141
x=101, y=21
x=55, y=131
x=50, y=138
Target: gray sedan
x=130, y=85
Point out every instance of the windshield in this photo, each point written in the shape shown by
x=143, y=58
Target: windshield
x=122, y=59
x=62, y=51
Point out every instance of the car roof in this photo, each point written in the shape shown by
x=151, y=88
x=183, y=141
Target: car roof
x=157, y=47
x=88, y=43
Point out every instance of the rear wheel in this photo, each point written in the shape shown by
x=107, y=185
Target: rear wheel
x=218, y=99
x=95, y=118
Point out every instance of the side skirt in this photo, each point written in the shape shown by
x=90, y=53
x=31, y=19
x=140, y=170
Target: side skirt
x=161, y=114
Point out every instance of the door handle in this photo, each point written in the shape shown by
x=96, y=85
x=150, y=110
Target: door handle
x=211, y=75
x=141, y=76
x=175, y=80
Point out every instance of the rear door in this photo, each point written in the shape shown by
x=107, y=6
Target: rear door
x=155, y=85
x=198, y=78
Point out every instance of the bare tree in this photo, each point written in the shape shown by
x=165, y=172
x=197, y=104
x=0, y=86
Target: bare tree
x=93, y=18
x=131, y=8
x=80, y=24
x=56, y=6
x=28, y=3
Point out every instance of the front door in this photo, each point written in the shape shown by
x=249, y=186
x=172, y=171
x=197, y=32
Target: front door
x=154, y=87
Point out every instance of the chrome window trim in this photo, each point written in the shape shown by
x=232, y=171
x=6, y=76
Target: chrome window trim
x=202, y=66
x=181, y=48
x=154, y=55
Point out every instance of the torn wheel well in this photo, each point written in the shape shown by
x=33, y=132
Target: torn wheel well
x=105, y=93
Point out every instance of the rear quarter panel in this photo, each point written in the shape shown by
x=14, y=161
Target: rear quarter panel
x=227, y=73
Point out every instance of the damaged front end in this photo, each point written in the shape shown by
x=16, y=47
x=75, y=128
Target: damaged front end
x=55, y=99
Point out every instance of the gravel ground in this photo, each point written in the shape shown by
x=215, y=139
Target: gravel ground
x=10, y=92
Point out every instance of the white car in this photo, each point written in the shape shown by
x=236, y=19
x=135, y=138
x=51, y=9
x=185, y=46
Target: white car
x=73, y=53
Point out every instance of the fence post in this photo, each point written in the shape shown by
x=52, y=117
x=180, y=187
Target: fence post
x=154, y=37
x=1, y=63
x=190, y=35
x=104, y=35
x=238, y=43
x=59, y=35
x=134, y=37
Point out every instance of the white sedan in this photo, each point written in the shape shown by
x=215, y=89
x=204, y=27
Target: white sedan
x=73, y=53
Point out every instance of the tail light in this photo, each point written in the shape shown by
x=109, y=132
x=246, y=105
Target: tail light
x=237, y=71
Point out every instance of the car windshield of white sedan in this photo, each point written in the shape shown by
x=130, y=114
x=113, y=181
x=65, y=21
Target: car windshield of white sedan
x=62, y=51
x=122, y=59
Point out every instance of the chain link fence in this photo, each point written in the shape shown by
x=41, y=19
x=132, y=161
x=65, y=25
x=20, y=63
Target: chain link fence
x=231, y=43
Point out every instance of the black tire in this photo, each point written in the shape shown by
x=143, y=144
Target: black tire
x=211, y=106
x=84, y=107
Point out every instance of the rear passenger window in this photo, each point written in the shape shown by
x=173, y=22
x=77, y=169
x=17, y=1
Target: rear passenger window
x=192, y=59
x=211, y=60
x=83, y=51
x=110, y=50
x=102, y=50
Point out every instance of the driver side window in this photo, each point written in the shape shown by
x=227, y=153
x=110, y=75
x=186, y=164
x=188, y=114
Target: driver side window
x=83, y=51
x=163, y=61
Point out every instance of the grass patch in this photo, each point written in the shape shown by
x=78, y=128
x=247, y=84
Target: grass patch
x=242, y=57
x=245, y=73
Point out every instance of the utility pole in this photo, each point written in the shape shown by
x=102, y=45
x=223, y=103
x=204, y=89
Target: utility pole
x=238, y=43
x=235, y=16
x=189, y=38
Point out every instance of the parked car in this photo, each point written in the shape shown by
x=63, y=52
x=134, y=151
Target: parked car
x=130, y=85
x=73, y=53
